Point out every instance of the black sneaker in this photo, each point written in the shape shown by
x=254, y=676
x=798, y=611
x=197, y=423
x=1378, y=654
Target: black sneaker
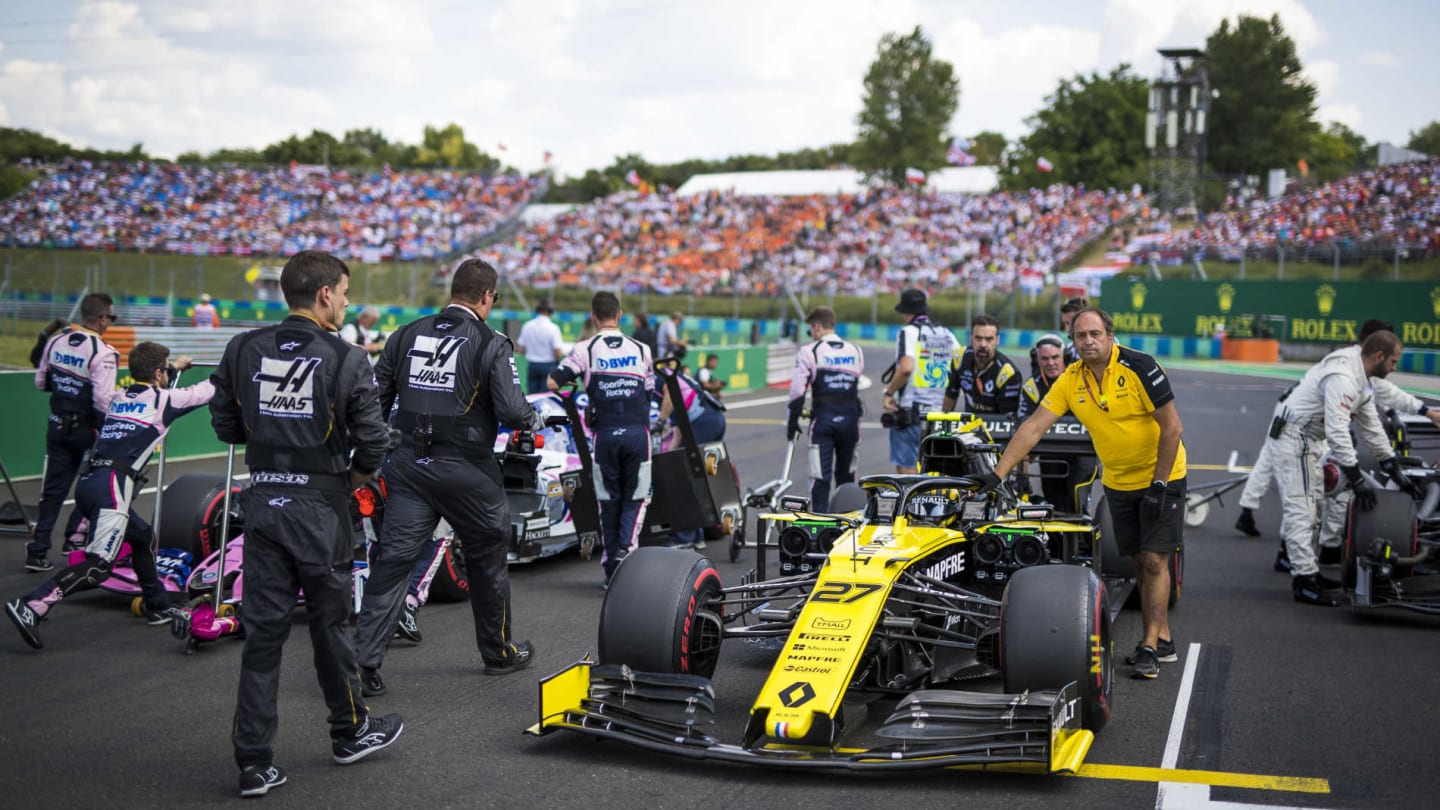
x=409, y=626
x=1164, y=652
x=1309, y=591
x=1282, y=561
x=371, y=684
x=520, y=655
x=257, y=781
x=38, y=565
x=1246, y=523
x=376, y=733
x=165, y=615
x=25, y=621
x=1329, y=583
x=1147, y=663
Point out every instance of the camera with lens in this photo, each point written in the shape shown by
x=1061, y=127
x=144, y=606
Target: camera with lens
x=899, y=420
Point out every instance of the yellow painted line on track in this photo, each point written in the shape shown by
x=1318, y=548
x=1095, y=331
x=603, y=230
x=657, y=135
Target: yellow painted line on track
x=1253, y=781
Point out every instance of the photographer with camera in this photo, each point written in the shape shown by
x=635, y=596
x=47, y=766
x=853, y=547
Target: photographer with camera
x=915, y=384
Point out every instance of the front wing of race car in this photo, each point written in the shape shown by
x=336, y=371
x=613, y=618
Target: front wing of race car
x=932, y=728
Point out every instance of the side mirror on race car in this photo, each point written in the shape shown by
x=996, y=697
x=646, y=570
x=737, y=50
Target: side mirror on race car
x=557, y=420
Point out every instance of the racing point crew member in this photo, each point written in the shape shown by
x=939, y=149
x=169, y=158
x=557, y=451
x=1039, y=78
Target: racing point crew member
x=618, y=375
x=1333, y=392
x=829, y=368
x=915, y=385
x=137, y=422
x=707, y=422
x=1063, y=480
x=1124, y=399
x=986, y=377
x=77, y=367
x=303, y=402
x=451, y=381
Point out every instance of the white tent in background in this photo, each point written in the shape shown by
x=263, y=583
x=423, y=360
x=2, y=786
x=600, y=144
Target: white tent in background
x=966, y=180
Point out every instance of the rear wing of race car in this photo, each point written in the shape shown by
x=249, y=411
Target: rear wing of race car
x=932, y=728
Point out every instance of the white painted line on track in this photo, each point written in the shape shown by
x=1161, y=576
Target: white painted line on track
x=1186, y=796
x=1234, y=457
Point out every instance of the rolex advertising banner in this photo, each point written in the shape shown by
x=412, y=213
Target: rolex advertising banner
x=1293, y=311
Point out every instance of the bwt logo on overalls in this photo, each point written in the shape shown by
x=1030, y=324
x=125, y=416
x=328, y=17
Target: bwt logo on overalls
x=71, y=360
x=843, y=361
x=603, y=364
x=128, y=407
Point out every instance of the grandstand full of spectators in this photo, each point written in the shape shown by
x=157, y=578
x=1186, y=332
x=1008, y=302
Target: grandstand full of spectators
x=877, y=242
x=1372, y=212
x=202, y=210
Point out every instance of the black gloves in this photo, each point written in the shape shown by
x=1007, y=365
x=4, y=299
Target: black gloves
x=1153, y=504
x=988, y=481
x=1391, y=466
x=792, y=430
x=1364, y=493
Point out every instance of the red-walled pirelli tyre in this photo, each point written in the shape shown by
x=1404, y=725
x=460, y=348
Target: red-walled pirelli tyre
x=1393, y=519
x=660, y=613
x=1055, y=629
x=191, y=511
x=450, y=583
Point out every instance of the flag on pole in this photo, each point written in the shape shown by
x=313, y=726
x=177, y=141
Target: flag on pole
x=548, y=155
x=915, y=176
x=633, y=178
x=1303, y=167
x=503, y=147
x=1044, y=165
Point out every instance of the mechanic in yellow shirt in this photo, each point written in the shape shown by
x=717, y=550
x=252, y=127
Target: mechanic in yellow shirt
x=1123, y=397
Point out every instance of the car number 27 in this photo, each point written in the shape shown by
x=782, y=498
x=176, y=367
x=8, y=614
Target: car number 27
x=843, y=592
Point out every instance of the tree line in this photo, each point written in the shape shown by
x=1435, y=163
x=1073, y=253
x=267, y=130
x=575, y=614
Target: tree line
x=1089, y=130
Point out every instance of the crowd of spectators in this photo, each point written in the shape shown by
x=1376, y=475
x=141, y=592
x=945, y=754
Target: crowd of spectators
x=1367, y=213
x=203, y=210
x=878, y=242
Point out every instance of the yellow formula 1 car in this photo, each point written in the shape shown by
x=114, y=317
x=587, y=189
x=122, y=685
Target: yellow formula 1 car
x=932, y=586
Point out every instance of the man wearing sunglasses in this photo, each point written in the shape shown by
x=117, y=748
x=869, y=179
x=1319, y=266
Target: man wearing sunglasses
x=1123, y=397
x=77, y=367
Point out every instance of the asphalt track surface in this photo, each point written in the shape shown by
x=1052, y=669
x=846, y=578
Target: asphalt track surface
x=1272, y=704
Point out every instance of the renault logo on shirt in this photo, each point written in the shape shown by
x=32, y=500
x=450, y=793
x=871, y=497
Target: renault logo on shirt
x=287, y=387
x=433, y=362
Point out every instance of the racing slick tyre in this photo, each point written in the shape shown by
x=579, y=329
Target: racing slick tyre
x=450, y=583
x=1393, y=518
x=1115, y=564
x=191, y=512
x=1055, y=629
x=848, y=498
x=660, y=613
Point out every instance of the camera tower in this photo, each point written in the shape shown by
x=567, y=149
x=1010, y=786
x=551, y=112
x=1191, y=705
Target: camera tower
x=1175, y=128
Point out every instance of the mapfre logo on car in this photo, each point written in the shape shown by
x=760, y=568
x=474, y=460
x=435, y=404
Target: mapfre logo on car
x=433, y=362
x=287, y=387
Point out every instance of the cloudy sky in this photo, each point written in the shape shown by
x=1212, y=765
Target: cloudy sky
x=590, y=79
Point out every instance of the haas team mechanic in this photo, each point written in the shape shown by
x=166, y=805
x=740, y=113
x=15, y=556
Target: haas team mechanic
x=303, y=403
x=618, y=376
x=451, y=381
x=77, y=367
x=829, y=367
x=138, y=420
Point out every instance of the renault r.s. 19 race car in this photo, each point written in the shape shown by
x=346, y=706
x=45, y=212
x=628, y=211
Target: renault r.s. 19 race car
x=905, y=603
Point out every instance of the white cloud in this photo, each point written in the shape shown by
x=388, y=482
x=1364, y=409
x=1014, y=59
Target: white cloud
x=1325, y=75
x=1383, y=59
x=1347, y=114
